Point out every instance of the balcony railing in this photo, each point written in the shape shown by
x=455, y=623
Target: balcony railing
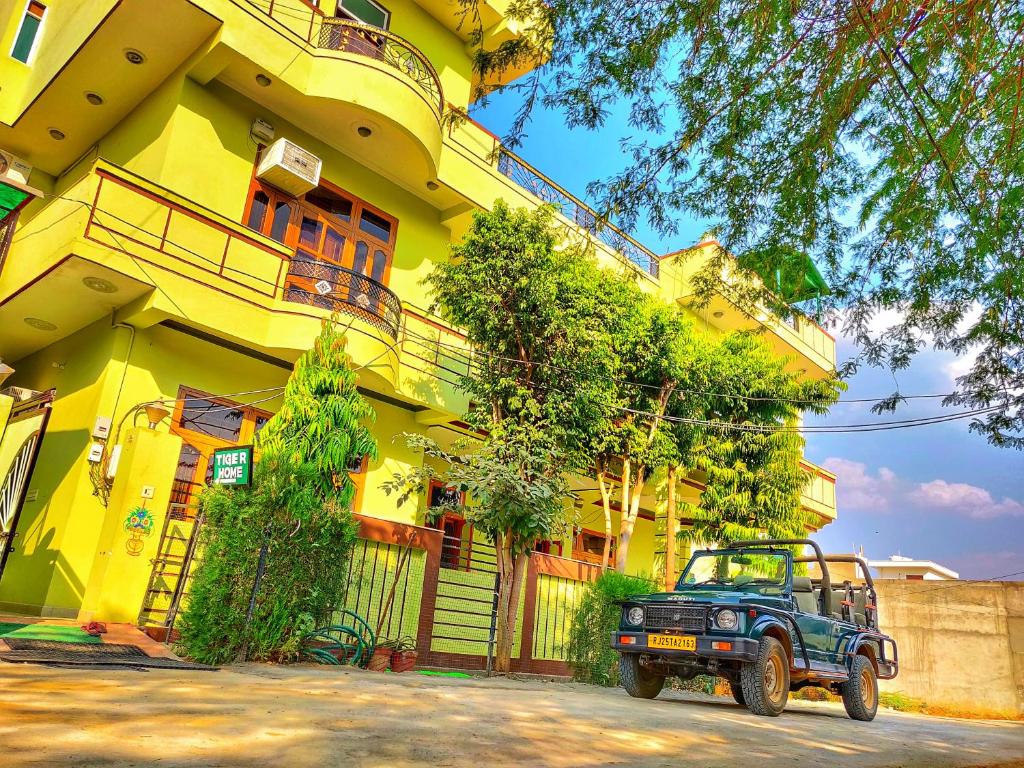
x=378, y=44
x=335, y=288
x=331, y=33
x=578, y=212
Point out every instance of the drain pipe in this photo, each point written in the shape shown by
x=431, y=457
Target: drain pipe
x=127, y=360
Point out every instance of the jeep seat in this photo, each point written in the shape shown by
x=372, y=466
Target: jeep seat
x=803, y=593
x=860, y=599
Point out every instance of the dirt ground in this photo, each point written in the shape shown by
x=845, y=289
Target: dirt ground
x=256, y=715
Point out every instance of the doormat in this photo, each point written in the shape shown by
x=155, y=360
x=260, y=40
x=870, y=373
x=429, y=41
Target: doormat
x=89, y=655
x=54, y=632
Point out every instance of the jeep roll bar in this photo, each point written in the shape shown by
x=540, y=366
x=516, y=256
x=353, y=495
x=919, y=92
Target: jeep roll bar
x=870, y=582
x=819, y=557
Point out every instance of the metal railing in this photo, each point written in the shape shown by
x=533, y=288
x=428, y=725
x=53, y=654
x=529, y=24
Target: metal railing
x=365, y=40
x=578, y=212
x=337, y=288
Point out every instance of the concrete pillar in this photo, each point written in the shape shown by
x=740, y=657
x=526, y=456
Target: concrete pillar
x=131, y=527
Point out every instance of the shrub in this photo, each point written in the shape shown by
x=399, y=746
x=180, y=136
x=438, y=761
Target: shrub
x=298, y=506
x=589, y=651
x=304, y=577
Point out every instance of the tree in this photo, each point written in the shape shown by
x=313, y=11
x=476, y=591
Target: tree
x=516, y=484
x=752, y=461
x=296, y=518
x=879, y=139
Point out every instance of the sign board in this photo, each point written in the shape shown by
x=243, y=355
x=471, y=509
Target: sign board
x=232, y=466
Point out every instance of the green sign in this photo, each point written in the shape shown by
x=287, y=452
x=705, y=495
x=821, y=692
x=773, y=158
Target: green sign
x=232, y=466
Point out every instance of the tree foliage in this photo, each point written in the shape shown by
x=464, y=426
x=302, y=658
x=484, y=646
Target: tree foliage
x=298, y=507
x=588, y=652
x=882, y=139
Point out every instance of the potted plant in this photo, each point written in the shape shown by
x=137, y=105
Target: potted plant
x=381, y=658
x=403, y=656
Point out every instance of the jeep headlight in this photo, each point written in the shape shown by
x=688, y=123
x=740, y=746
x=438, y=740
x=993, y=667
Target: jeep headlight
x=727, y=619
x=635, y=615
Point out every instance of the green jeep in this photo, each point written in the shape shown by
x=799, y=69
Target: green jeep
x=740, y=613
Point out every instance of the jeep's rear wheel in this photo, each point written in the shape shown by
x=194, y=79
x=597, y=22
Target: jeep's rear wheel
x=765, y=681
x=860, y=692
x=639, y=682
x=737, y=693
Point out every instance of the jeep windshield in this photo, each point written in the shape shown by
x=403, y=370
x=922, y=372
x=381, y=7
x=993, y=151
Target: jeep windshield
x=735, y=568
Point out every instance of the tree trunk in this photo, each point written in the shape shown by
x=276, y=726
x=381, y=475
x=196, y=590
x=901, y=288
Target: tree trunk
x=511, y=572
x=620, y=562
x=606, y=504
x=629, y=521
x=671, y=531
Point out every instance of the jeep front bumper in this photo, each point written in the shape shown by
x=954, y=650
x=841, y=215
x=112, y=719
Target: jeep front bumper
x=725, y=647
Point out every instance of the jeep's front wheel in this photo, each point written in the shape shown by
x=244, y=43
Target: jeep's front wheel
x=765, y=681
x=639, y=682
x=860, y=692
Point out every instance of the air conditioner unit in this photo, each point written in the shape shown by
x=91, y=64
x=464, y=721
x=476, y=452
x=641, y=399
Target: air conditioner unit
x=14, y=169
x=289, y=167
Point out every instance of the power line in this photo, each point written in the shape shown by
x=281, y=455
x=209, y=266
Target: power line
x=724, y=396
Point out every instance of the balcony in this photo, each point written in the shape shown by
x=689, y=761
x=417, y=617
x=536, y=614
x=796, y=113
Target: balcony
x=811, y=351
x=819, y=495
x=154, y=257
x=335, y=288
x=361, y=90
x=577, y=212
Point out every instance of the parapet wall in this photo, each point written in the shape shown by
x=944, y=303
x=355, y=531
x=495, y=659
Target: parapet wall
x=961, y=644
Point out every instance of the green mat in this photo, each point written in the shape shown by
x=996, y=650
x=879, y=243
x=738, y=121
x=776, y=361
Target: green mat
x=46, y=632
x=442, y=674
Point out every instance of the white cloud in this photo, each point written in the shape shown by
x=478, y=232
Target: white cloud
x=858, y=489
x=964, y=498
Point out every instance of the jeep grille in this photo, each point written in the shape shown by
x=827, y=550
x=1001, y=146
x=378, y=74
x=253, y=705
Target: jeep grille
x=688, y=617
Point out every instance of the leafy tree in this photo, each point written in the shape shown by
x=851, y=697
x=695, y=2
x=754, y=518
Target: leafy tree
x=883, y=140
x=531, y=306
x=516, y=485
x=298, y=511
x=753, y=476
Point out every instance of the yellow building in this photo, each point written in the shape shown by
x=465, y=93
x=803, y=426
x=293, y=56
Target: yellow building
x=187, y=189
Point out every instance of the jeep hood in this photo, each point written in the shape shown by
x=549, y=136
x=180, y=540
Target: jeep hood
x=690, y=596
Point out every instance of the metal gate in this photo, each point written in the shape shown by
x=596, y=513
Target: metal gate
x=466, y=607
x=19, y=449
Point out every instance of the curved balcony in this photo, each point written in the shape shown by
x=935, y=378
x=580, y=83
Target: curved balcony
x=335, y=288
x=347, y=36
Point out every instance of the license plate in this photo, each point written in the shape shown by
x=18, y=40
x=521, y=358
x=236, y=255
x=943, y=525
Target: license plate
x=673, y=642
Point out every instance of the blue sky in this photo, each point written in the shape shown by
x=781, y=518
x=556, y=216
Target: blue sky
x=935, y=492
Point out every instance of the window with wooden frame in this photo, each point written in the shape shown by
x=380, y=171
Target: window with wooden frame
x=548, y=547
x=365, y=11
x=357, y=473
x=206, y=423
x=28, y=32
x=588, y=546
x=328, y=229
x=457, y=544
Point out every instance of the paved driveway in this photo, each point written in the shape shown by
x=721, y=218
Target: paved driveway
x=295, y=716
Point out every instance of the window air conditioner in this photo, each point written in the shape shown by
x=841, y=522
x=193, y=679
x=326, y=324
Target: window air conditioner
x=289, y=167
x=14, y=169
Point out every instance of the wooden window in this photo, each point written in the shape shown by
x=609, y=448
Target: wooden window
x=915, y=577
x=28, y=32
x=357, y=473
x=328, y=228
x=549, y=547
x=456, y=546
x=589, y=546
x=366, y=11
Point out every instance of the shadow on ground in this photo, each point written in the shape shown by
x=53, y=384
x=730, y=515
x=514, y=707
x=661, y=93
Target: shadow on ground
x=294, y=716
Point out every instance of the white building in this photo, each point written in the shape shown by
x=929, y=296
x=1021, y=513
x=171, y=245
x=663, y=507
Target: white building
x=900, y=567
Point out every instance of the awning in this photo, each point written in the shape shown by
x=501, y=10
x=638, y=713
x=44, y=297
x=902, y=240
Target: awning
x=13, y=195
x=793, y=276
